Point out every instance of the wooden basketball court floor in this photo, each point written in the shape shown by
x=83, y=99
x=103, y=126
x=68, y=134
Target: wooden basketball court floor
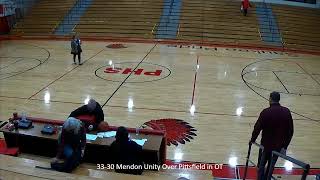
x=226, y=86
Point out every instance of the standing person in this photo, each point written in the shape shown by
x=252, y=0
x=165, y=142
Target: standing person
x=71, y=145
x=76, y=49
x=245, y=4
x=276, y=125
x=93, y=108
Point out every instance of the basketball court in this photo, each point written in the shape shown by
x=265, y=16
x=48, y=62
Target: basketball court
x=216, y=91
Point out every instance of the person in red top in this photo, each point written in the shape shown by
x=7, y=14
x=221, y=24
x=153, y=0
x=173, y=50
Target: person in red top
x=245, y=4
x=276, y=125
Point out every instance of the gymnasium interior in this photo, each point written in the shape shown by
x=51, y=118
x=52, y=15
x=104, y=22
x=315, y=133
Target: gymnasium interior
x=188, y=79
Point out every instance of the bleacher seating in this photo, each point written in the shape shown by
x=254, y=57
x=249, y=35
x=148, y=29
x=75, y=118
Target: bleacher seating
x=207, y=21
x=299, y=26
x=293, y=177
x=21, y=167
x=24, y=168
x=43, y=18
x=218, y=21
x=128, y=18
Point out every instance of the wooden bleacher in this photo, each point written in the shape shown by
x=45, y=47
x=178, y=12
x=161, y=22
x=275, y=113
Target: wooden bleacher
x=218, y=21
x=44, y=17
x=24, y=168
x=299, y=26
x=128, y=18
x=292, y=177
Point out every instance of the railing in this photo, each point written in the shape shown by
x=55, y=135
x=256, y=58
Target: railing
x=178, y=34
x=154, y=30
x=75, y=5
x=55, y=27
x=74, y=27
x=260, y=34
x=261, y=161
x=275, y=155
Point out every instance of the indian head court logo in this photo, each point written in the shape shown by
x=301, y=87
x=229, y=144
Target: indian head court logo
x=177, y=131
x=133, y=72
x=116, y=46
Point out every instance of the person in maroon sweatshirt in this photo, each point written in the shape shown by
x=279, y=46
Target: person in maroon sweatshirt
x=276, y=125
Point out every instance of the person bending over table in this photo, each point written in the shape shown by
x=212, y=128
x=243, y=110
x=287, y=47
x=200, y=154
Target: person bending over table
x=125, y=152
x=92, y=115
x=71, y=146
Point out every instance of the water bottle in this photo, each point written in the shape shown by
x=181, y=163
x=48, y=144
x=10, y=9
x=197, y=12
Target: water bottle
x=23, y=116
x=137, y=130
x=16, y=124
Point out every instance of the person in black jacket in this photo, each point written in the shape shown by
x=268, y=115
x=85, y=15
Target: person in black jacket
x=92, y=108
x=125, y=152
x=76, y=49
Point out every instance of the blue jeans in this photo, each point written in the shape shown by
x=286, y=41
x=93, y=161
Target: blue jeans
x=67, y=151
x=72, y=160
x=72, y=156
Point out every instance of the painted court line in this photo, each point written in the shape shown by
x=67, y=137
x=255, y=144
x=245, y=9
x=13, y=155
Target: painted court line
x=148, y=109
x=128, y=76
x=64, y=75
x=308, y=73
x=281, y=82
x=195, y=80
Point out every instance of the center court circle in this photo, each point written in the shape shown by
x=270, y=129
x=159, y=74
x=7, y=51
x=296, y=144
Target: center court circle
x=145, y=72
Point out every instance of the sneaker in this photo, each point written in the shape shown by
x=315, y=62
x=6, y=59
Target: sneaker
x=80, y=63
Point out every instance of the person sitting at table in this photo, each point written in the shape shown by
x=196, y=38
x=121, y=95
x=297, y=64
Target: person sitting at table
x=71, y=146
x=126, y=152
x=92, y=115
